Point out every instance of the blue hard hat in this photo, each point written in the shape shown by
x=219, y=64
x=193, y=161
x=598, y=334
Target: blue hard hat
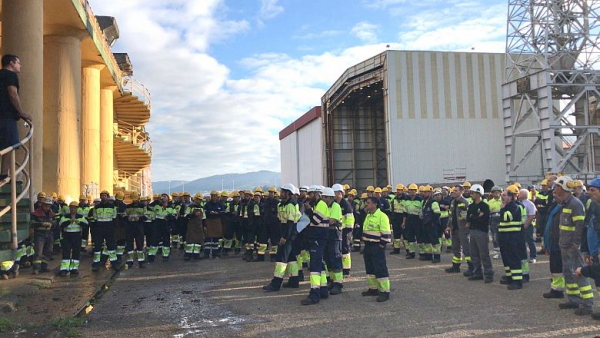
x=595, y=183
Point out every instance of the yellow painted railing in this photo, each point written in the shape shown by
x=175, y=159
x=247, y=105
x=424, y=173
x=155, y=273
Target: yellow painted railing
x=133, y=86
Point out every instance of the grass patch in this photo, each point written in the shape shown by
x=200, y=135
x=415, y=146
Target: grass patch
x=67, y=323
x=8, y=325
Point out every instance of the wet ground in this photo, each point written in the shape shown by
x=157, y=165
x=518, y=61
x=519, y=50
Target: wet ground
x=223, y=298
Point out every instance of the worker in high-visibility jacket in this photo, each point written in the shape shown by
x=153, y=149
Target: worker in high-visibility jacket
x=495, y=204
x=511, y=239
x=136, y=217
x=318, y=213
x=289, y=215
x=397, y=217
x=347, y=227
x=376, y=235
x=105, y=215
x=457, y=226
x=70, y=226
x=411, y=223
x=579, y=291
x=333, y=248
x=84, y=209
x=430, y=213
x=164, y=218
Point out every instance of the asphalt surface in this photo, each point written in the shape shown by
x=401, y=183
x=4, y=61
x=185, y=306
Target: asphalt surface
x=224, y=298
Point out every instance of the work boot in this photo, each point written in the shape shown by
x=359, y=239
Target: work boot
x=596, y=315
x=74, y=272
x=336, y=289
x=488, y=279
x=583, y=311
x=436, y=259
x=142, y=265
x=370, y=292
x=293, y=282
x=568, y=305
x=455, y=268
x=554, y=294
x=505, y=280
x=272, y=257
x=449, y=249
x=309, y=301
x=469, y=271
x=301, y=275
x=275, y=285
x=525, y=278
x=63, y=273
x=515, y=285
x=395, y=252
x=44, y=267
x=15, y=271
x=410, y=255
x=475, y=277
x=129, y=265
x=150, y=259
x=324, y=293
x=383, y=296
x=237, y=251
x=259, y=258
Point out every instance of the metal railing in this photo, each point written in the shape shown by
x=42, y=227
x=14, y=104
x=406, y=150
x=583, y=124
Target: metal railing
x=16, y=169
x=135, y=134
x=137, y=89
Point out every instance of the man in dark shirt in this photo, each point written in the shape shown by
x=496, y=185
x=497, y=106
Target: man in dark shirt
x=10, y=107
x=478, y=219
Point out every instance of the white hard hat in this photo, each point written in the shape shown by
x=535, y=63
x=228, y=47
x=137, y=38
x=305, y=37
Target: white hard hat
x=313, y=188
x=289, y=187
x=328, y=192
x=304, y=188
x=338, y=187
x=437, y=191
x=296, y=191
x=566, y=183
x=477, y=188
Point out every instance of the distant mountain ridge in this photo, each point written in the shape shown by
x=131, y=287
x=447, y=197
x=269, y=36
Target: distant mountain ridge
x=250, y=180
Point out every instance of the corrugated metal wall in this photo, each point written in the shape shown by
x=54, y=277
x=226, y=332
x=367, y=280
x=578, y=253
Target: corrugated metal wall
x=445, y=116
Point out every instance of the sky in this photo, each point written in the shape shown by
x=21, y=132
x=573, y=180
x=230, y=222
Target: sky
x=226, y=76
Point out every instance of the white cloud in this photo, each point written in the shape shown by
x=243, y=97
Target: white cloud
x=269, y=9
x=205, y=122
x=365, y=31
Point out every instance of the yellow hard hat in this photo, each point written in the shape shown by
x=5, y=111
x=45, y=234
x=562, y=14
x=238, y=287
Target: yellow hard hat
x=413, y=186
x=41, y=195
x=544, y=182
x=119, y=195
x=175, y=194
x=272, y=189
x=513, y=189
x=385, y=189
x=224, y=193
x=214, y=192
x=61, y=198
x=389, y=186
x=265, y=194
x=578, y=183
x=258, y=193
x=467, y=185
x=235, y=193
x=517, y=184
x=421, y=188
x=346, y=186
x=89, y=197
x=378, y=189
x=82, y=197
x=399, y=186
x=364, y=195
x=428, y=188
x=187, y=193
x=54, y=195
x=370, y=188
x=74, y=204
x=352, y=192
x=134, y=196
x=105, y=192
x=259, y=189
x=199, y=196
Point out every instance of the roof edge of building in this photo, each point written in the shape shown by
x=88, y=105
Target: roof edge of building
x=303, y=120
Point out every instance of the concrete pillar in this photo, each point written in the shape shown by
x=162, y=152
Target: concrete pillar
x=62, y=113
x=23, y=35
x=90, y=124
x=106, y=139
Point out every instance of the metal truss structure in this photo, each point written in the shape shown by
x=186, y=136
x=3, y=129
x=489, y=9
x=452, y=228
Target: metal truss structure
x=551, y=92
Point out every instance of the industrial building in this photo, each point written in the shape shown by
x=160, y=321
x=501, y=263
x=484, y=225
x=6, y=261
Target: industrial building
x=401, y=117
x=89, y=112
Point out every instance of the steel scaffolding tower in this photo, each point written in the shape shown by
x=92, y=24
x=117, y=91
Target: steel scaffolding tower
x=551, y=88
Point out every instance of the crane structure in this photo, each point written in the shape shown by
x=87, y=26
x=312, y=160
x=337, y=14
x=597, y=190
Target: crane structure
x=551, y=90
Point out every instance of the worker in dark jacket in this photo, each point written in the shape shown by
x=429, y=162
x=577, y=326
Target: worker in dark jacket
x=40, y=229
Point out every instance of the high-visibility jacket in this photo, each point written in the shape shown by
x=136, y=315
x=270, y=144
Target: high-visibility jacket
x=376, y=228
x=511, y=218
x=72, y=224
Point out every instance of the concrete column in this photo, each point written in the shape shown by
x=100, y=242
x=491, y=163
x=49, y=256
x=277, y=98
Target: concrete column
x=90, y=124
x=23, y=35
x=62, y=113
x=106, y=139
